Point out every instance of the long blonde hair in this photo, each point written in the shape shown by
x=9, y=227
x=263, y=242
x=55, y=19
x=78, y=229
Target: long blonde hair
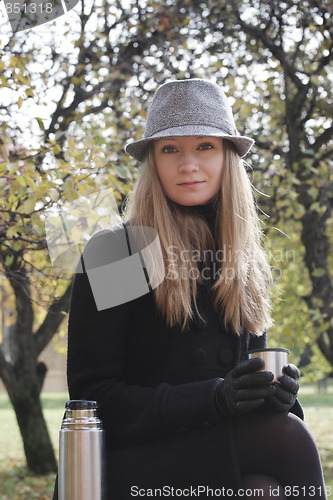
x=241, y=291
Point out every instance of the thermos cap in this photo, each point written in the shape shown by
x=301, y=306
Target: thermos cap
x=81, y=404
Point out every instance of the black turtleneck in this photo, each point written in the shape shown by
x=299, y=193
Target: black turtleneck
x=207, y=212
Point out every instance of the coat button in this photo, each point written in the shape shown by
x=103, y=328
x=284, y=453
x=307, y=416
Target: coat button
x=198, y=357
x=226, y=357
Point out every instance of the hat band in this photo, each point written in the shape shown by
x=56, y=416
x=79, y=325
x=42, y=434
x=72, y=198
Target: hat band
x=190, y=120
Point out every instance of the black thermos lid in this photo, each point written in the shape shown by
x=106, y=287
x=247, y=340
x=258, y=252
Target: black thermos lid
x=81, y=404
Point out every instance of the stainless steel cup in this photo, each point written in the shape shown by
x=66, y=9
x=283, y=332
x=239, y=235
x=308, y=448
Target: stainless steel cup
x=275, y=359
x=81, y=453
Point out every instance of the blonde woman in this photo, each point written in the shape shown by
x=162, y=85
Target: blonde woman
x=185, y=412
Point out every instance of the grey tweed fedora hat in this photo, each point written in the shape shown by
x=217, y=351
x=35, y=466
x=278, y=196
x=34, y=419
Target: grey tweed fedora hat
x=184, y=108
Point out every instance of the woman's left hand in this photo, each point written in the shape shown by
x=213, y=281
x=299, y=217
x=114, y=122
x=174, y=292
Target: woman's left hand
x=287, y=389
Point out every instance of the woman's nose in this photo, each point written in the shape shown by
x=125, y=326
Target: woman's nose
x=187, y=163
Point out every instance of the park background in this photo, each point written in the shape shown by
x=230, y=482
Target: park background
x=73, y=92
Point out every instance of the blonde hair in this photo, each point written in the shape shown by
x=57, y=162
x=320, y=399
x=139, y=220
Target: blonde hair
x=241, y=291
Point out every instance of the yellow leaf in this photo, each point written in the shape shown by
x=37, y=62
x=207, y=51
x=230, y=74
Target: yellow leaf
x=19, y=101
x=29, y=92
x=12, y=231
x=4, y=81
x=28, y=206
x=81, y=189
x=40, y=124
x=69, y=191
x=20, y=180
x=29, y=181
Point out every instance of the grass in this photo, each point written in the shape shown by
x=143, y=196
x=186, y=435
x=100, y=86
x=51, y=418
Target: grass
x=17, y=483
x=318, y=411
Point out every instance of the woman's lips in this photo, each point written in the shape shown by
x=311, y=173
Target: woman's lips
x=190, y=183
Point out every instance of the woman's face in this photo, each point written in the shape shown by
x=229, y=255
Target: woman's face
x=189, y=168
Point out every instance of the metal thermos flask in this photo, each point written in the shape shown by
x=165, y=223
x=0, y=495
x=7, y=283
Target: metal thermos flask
x=81, y=473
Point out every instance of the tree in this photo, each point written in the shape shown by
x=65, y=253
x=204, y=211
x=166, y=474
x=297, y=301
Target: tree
x=70, y=159
x=279, y=56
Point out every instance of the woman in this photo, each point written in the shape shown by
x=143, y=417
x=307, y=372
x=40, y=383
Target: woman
x=185, y=412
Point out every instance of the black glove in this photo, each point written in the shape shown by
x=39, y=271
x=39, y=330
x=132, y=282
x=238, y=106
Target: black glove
x=286, y=390
x=244, y=388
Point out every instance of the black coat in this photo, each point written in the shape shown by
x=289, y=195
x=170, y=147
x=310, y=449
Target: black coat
x=155, y=387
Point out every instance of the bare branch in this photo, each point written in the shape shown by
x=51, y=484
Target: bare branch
x=323, y=138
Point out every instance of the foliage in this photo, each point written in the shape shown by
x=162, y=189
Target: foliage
x=279, y=55
x=293, y=321
x=68, y=157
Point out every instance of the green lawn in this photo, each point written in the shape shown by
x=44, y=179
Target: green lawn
x=318, y=411
x=17, y=484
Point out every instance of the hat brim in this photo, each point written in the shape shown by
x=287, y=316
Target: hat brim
x=137, y=149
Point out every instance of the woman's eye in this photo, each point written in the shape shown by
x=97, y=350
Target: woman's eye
x=206, y=146
x=168, y=149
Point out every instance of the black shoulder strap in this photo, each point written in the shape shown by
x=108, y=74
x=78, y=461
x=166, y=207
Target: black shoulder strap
x=140, y=255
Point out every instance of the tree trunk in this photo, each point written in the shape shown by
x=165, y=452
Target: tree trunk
x=23, y=375
x=25, y=398
x=317, y=249
x=36, y=440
